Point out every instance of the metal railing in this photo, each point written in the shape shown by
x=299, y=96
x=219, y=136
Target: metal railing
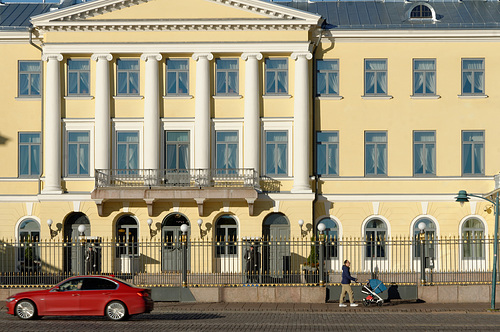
x=190, y=178
x=231, y=262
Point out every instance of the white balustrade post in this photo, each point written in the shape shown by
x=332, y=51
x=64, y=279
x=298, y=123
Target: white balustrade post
x=152, y=112
x=252, y=111
x=202, y=111
x=301, y=154
x=52, y=131
x=102, y=112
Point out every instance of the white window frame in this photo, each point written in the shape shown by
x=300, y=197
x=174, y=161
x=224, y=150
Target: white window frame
x=178, y=125
x=128, y=125
x=277, y=124
x=227, y=125
x=79, y=125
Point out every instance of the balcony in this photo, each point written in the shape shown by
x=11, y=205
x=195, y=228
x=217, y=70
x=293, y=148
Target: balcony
x=173, y=185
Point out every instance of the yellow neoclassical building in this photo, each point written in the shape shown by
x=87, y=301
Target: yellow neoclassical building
x=247, y=118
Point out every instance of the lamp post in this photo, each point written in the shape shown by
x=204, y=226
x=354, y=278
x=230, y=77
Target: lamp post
x=81, y=258
x=321, y=229
x=421, y=227
x=184, y=229
x=463, y=197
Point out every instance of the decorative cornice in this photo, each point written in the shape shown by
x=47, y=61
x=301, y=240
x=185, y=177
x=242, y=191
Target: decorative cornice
x=296, y=55
x=101, y=56
x=208, y=56
x=246, y=56
x=152, y=56
x=244, y=25
x=52, y=56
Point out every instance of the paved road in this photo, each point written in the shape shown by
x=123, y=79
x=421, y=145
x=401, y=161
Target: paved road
x=257, y=317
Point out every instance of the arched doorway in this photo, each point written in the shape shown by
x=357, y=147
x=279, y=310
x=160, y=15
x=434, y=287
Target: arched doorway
x=171, y=242
x=226, y=236
x=275, y=252
x=73, y=255
x=331, y=249
x=127, y=249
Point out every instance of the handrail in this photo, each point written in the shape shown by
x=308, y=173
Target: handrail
x=187, y=178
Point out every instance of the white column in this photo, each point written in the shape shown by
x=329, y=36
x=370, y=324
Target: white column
x=152, y=112
x=301, y=119
x=102, y=112
x=252, y=111
x=52, y=131
x=202, y=110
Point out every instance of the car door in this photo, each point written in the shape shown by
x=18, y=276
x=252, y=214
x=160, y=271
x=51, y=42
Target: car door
x=95, y=294
x=65, y=299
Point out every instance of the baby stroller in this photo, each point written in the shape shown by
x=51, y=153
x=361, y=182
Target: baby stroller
x=372, y=289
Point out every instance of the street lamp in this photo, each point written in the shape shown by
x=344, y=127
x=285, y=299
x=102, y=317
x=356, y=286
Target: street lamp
x=421, y=227
x=463, y=197
x=321, y=229
x=184, y=239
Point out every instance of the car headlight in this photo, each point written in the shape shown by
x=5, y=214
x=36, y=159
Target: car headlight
x=10, y=299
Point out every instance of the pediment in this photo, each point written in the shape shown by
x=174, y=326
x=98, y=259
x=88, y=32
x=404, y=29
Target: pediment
x=175, y=14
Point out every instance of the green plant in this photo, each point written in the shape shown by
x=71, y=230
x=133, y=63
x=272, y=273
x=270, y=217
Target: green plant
x=312, y=259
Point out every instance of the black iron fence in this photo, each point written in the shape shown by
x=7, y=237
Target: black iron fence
x=235, y=262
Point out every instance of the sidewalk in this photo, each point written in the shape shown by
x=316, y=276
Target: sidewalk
x=323, y=307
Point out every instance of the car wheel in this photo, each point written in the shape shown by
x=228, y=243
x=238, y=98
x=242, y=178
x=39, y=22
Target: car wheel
x=25, y=309
x=116, y=310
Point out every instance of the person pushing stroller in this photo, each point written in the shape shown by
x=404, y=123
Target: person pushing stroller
x=346, y=285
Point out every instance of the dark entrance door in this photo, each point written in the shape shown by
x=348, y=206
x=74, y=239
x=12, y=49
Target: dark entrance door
x=171, y=242
x=276, y=251
x=73, y=254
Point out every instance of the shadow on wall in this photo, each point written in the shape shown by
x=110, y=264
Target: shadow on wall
x=3, y=140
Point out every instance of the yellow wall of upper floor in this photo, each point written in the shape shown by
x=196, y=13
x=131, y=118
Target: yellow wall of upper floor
x=186, y=9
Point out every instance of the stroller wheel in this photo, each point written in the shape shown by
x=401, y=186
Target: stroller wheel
x=381, y=303
x=366, y=303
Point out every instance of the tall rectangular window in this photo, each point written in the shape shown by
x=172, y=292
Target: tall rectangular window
x=327, y=77
x=127, y=150
x=177, y=77
x=29, y=154
x=226, y=150
x=177, y=156
x=375, y=153
x=78, y=153
x=78, y=77
x=227, y=76
x=473, y=76
x=327, y=153
x=276, y=76
x=375, y=77
x=424, y=153
x=30, y=73
x=127, y=77
x=473, y=152
x=276, y=152
x=424, y=77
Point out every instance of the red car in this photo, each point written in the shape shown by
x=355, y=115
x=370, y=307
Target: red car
x=83, y=296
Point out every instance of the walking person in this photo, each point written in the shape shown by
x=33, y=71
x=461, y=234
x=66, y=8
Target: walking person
x=346, y=285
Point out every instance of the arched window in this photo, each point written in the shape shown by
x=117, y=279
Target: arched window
x=421, y=11
x=226, y=235
x=29, y=252
x=473, y=238
x=375, y=236
x=332, y=236
x=430, y=235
